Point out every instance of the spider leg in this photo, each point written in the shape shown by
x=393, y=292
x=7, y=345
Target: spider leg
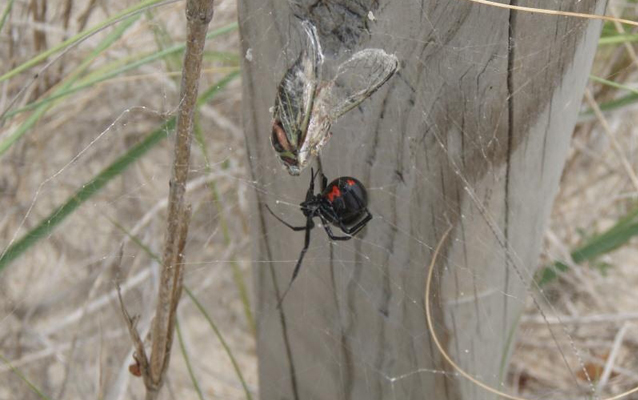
x=324, y=182
x=309, y=226
x=332, y=236
x=348, y=231
x=353, y=230
x=294, y=228
x=311, y=189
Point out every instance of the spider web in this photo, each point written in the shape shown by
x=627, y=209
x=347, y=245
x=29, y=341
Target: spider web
x=354, y=303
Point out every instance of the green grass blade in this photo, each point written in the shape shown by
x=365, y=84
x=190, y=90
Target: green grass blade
x=214, y=89
x=24, y=379
x=617, y=39
x=68, y=81
x=187, y=359
x=221, y=340
x=106, y=73
x=232, y=58
x=48, y=224
x=5, y=14
x=612, y=84
x=609, y=29
x=616, y=104
x=79, y=37
x=606, y=242
x=135, y=240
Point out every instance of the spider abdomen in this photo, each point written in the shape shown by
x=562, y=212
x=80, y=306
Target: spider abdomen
x=343, y=203
x=348, y=200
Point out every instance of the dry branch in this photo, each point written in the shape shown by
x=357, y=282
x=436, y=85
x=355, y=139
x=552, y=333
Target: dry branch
x=199, y=13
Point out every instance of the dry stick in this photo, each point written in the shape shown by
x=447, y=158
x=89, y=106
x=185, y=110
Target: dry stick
x=178, y=278
x=611, y=359
x=556, y=12
x=141, y=361
x=199, y=13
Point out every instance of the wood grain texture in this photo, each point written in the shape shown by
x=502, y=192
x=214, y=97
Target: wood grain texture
x=473, y=131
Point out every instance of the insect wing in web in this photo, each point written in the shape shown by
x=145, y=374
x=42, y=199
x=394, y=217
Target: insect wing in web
x=358, y=78
x=294, y=101
x=306, y=106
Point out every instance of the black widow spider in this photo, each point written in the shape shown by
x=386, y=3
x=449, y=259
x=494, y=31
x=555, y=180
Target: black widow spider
x=342, y=203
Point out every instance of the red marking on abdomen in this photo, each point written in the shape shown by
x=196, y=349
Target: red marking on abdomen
x=350, y=182
x=335, y=192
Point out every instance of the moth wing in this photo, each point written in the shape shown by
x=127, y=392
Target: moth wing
x=318, y=132
x=359, y=77
x=295, y=94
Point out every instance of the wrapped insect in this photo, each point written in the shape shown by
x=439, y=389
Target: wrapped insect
x=306, y=106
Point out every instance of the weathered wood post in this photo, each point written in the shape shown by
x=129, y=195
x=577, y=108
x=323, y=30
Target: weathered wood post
x=472, y=132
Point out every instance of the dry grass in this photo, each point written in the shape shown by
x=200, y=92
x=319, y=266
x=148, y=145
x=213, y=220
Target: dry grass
x=60, y=323
x=594, y=301
x=597, y=310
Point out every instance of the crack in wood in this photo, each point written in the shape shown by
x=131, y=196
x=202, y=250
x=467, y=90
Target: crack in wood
x=508, y=163
x=248, y=81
